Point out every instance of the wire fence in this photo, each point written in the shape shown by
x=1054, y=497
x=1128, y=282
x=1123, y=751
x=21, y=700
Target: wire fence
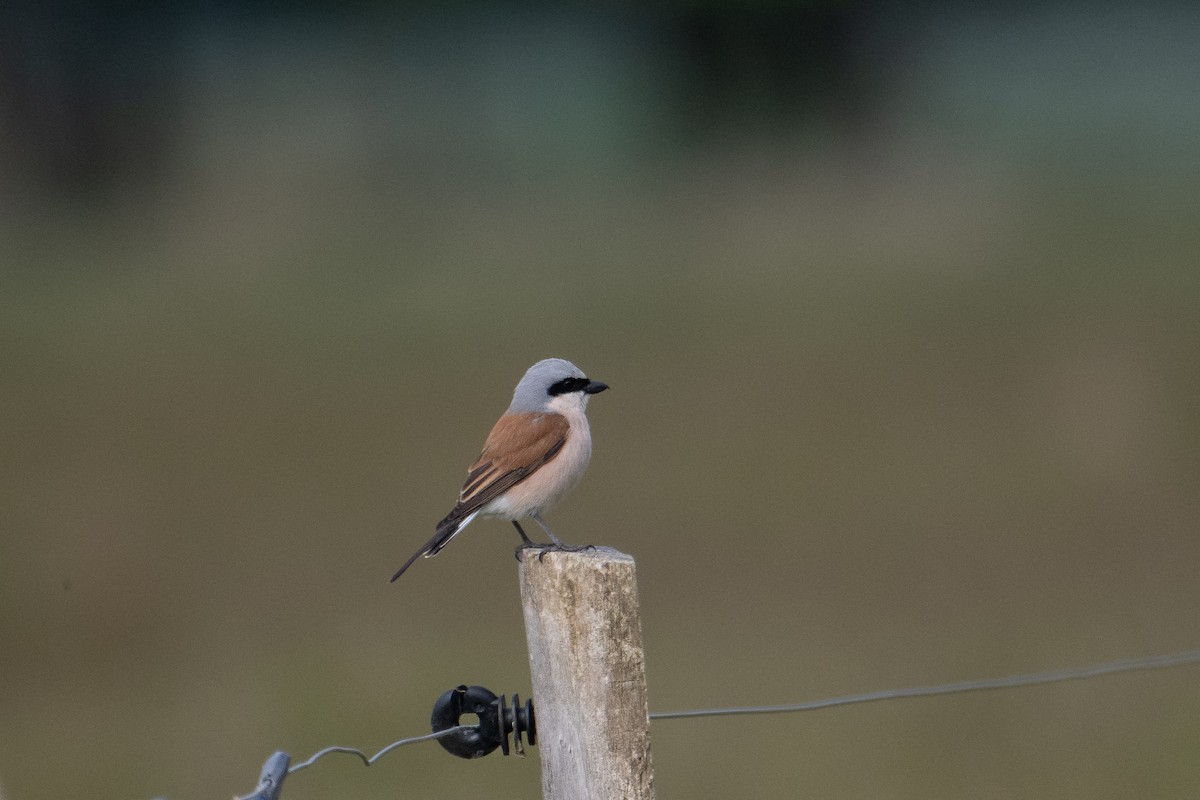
x=277, y=766
x=1008, y=682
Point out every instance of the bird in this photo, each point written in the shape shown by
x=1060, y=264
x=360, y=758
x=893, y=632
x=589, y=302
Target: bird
x=537, y=451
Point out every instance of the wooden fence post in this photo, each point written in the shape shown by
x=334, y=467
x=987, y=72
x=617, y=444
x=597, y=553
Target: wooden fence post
x=589, y=675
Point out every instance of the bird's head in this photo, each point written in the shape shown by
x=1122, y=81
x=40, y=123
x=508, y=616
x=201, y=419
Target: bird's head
x=553, y=382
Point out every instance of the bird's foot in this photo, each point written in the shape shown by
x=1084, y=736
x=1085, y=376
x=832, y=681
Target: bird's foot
x=551, y=547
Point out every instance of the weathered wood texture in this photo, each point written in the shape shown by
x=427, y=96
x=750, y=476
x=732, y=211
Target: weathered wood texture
x=589, y=675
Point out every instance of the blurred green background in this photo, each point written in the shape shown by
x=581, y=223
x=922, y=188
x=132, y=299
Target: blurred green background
x=900, y=308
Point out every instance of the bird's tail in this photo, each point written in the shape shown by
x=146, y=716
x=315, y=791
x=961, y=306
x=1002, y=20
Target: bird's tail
x=446, y=531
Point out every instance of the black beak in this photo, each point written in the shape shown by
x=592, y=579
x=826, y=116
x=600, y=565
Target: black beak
x=595, y=387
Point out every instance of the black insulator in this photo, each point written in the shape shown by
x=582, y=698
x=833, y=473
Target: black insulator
x=496, y=721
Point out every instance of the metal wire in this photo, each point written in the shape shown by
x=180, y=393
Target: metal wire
x=273, y=772
x=369, y=761
x=1030, y=679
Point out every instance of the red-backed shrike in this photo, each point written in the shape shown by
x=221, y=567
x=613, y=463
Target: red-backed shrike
x=536, y=452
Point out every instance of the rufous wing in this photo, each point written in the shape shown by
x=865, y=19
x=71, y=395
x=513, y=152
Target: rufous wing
x=517, y=447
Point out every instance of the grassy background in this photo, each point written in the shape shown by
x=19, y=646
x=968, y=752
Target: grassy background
x=895, y=411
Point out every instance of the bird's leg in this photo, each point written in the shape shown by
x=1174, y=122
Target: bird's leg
x=538, y=519
x=525, y=540
x=557, y=544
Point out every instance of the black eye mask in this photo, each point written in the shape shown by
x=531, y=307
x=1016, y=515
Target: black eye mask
x=568, y=385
